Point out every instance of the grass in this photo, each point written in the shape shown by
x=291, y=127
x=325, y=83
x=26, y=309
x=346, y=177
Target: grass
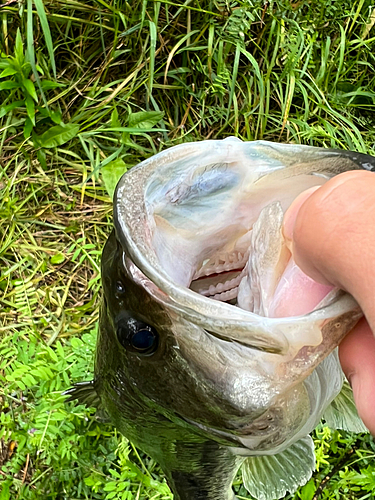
x=88, y=90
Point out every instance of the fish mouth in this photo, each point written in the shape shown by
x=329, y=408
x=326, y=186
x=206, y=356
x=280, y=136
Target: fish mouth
x=186, y=218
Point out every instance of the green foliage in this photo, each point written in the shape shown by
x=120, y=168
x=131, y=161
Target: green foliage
x=89, y=89
x=18, y=68
x=57, y=135
x=119, y=483
x=22, y=95
x=111, y=174
x=56, y=442
x=63, y=445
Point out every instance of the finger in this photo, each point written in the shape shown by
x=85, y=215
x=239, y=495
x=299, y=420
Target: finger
x=292, y=212
x=357, y=357
x=333, y=236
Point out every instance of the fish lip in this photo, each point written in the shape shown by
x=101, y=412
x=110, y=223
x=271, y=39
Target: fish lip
x=224, y=320
x=212, y=431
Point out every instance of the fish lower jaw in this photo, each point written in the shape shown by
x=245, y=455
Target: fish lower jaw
x=226, y=296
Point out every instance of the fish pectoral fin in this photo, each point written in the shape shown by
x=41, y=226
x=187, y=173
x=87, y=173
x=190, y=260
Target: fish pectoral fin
x=270, y=477
x=85, y=393
x=342, y=412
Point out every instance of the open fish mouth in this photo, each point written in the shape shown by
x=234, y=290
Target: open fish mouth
x=259, y=274
x=205, y=227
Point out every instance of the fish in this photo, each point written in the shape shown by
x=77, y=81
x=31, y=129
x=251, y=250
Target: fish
x=215, y=351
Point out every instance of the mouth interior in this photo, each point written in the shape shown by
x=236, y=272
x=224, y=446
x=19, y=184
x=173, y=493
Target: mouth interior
x=242, y=279
x=218, y=231
x=219, y=277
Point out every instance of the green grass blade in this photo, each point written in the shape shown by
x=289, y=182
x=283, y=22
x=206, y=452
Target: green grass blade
x=31, y=50
x=341, y=55
x=234, y=79
x=153, y=38
x=46, y=31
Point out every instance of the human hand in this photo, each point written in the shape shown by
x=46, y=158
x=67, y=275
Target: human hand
x=331, y=232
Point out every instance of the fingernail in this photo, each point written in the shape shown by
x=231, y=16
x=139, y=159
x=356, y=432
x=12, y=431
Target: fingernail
x=292, y=212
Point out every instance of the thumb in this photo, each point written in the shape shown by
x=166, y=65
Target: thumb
x=331, y=233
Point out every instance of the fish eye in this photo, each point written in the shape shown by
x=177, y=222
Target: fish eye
x=143, y=340
x=137, y=337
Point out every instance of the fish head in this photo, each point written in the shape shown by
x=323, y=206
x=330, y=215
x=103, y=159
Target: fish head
x=152, y=362
x=207, y=326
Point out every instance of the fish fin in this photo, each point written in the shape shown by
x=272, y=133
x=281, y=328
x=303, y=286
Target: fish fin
x=85, y=393
x=342, y=412
x=269, y=477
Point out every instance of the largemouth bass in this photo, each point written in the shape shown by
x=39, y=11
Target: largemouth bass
x=215, y=350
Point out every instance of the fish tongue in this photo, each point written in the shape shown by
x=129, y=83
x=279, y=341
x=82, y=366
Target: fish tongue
x=274, y=286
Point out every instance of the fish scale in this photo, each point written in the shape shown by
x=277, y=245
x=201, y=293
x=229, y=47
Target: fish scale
x=205, y=386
